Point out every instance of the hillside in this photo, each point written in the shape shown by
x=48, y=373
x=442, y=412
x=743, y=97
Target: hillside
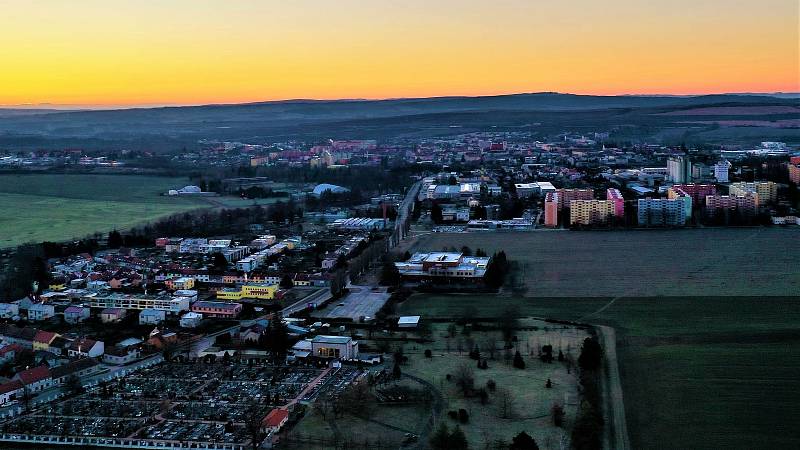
x=167, y=127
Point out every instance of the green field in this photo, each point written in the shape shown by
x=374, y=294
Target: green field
x=692, y=262
x=722, y=370
x=56, y=207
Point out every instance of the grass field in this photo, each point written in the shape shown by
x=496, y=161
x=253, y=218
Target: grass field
x=532, y=401
x=59, y=207
x=704, y=262
x=723, y=370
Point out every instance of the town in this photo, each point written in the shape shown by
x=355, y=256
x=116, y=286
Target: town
x=266, y=324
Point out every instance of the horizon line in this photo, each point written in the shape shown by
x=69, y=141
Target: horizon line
x=122, y=106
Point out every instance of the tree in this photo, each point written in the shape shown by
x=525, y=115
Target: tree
x=591, y=354
x=558, y=414
x=396, y=372
x=276, y=338
x=390, y=276
x=458, y=441
x=436, y=213
x=523, y=441
x=287, y=282
x=440, y=440
x=505, y=403
x=114, y=239
x=73, y=385
x=219, y=261
x=465, y=379
x=253, y=423
x=519, y=363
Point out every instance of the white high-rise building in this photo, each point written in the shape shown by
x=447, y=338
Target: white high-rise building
x=721, y=171
x=680, y=169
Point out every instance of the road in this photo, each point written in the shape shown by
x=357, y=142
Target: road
x=316, y=298
x=615, y=433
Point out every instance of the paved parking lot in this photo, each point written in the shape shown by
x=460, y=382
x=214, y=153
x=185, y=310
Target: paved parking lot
x=362, y=301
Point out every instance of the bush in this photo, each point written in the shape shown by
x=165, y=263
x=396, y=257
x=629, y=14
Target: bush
x=463, y=415
x=519, y=363
x=428, y=354
x=452, y=414
x=491, y=385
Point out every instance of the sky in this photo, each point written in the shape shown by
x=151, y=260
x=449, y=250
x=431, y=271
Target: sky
x=158, y=52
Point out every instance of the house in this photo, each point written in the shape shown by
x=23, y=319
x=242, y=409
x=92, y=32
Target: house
x=9, y=352
x=86, y=347
x=223, y=310
x=120, y=356
x=9, y=310
x=59, y=346
x=35, y=379
x=337, y=347
x=41, y=311
x=76, y=314
x=191, y=320
x=112, y=315
x=180, y=283
x=11, y=334
x=80, y=368
x=10, y=391
x=275, y=420
x=160, y=340
x=151, y=316
x=43, y=339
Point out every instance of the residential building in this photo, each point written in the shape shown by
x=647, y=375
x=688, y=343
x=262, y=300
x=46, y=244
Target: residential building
x=151, y=317
x=615, y=196
x=9, y=310
x=767, y=191
x=119, y=356
x=697, y=192
x=179, y=283
x=260, y=291
x=222, y=310
x=112, y=315
x=560, y=199
x=77, y=314
x=170, y=304
x=721, y=171
x=10, y=391
x=79, y=368
x=85, y=347
x=275, y=420
x=794, y=173
x=336, y=347
x=680, y=169
x=742, y=205
x=43, y=339
x=41, y=311
x=590, y=212
x=191, y=320
x=35, y=379
x=658, y=212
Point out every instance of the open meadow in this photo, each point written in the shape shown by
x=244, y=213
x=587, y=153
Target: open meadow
x=707, y=262
x=721, y=369
x=702, y=367
x=59, y=207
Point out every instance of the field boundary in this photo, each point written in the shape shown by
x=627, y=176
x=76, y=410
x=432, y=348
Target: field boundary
x=615, y=433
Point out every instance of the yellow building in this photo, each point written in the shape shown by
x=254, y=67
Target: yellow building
x=590, y=212
x=767, y=191
x=260, y=291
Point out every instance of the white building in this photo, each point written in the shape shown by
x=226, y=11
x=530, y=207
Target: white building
x=41, y=311
x=336, y=347
x=655, y=212
x=9, y=310
x=191, y=320
x=151, y=317
x=721, y=171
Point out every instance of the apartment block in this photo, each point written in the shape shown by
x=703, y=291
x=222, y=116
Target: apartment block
x=662, y=212
x=590, y=212
x=794, y=173
x=767, y=191
x=556, y=201
x=746, y=205
x=615, y=196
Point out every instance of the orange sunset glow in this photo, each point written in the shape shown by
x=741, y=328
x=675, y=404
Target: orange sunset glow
x=115, y=52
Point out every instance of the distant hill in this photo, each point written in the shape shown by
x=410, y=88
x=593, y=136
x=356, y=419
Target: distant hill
x=166, y=127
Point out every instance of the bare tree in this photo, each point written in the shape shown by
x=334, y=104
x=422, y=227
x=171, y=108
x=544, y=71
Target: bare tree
x=505, y=403
x=464, y=378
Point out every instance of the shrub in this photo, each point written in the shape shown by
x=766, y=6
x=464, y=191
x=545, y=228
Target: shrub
x=428, y=354
x=491, y=385
x=463, y=415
